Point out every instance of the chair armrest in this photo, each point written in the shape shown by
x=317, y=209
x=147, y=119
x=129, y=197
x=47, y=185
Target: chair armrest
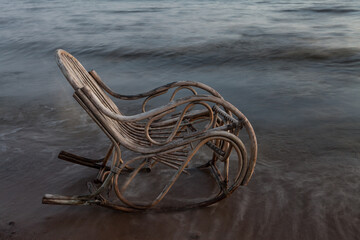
x=159, y=90
x=151, y=113
x=172, y=105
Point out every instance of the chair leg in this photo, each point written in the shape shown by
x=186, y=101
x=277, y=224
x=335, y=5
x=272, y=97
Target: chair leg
x=80, y=160
x=93, y=163
x=68, y=200
x=95, y=197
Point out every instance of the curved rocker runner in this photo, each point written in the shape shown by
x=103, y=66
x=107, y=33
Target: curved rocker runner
x=197, y=133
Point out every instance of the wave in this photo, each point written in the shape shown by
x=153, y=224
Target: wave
x=137, y=10
x=260, y=47
x=333, y=10
x=231, y=53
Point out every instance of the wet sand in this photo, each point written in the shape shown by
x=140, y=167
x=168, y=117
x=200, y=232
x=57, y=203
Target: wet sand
x=298, y=191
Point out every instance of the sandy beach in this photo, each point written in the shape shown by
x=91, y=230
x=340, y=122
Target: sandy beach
x=291, y=67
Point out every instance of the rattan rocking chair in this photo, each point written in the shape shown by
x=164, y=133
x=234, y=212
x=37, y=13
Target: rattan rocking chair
x=197, y=133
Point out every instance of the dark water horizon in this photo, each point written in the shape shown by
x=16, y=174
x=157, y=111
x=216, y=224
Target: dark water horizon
x=292, y=67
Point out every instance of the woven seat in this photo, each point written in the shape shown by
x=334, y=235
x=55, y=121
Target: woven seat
x=169, y=138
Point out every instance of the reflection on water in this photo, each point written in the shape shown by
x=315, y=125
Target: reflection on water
x=291, y=66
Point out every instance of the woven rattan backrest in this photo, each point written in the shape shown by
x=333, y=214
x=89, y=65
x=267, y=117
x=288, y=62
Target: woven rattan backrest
x=78, y=77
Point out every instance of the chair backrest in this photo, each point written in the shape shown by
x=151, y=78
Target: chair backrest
x=78, y=77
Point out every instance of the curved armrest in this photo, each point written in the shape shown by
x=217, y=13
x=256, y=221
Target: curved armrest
x=161, y=89
x=172, y=105
x=141, y=116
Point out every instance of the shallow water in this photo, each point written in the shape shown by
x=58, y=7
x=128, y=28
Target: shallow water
x=292, y=67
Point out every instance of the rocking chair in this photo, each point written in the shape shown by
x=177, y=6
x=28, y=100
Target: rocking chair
x=184, y=139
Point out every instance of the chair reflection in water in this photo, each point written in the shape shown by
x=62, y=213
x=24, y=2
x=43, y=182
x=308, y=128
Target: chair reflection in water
x=187, y=137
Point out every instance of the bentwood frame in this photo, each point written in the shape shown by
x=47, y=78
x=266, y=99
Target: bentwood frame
x=168, y=135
